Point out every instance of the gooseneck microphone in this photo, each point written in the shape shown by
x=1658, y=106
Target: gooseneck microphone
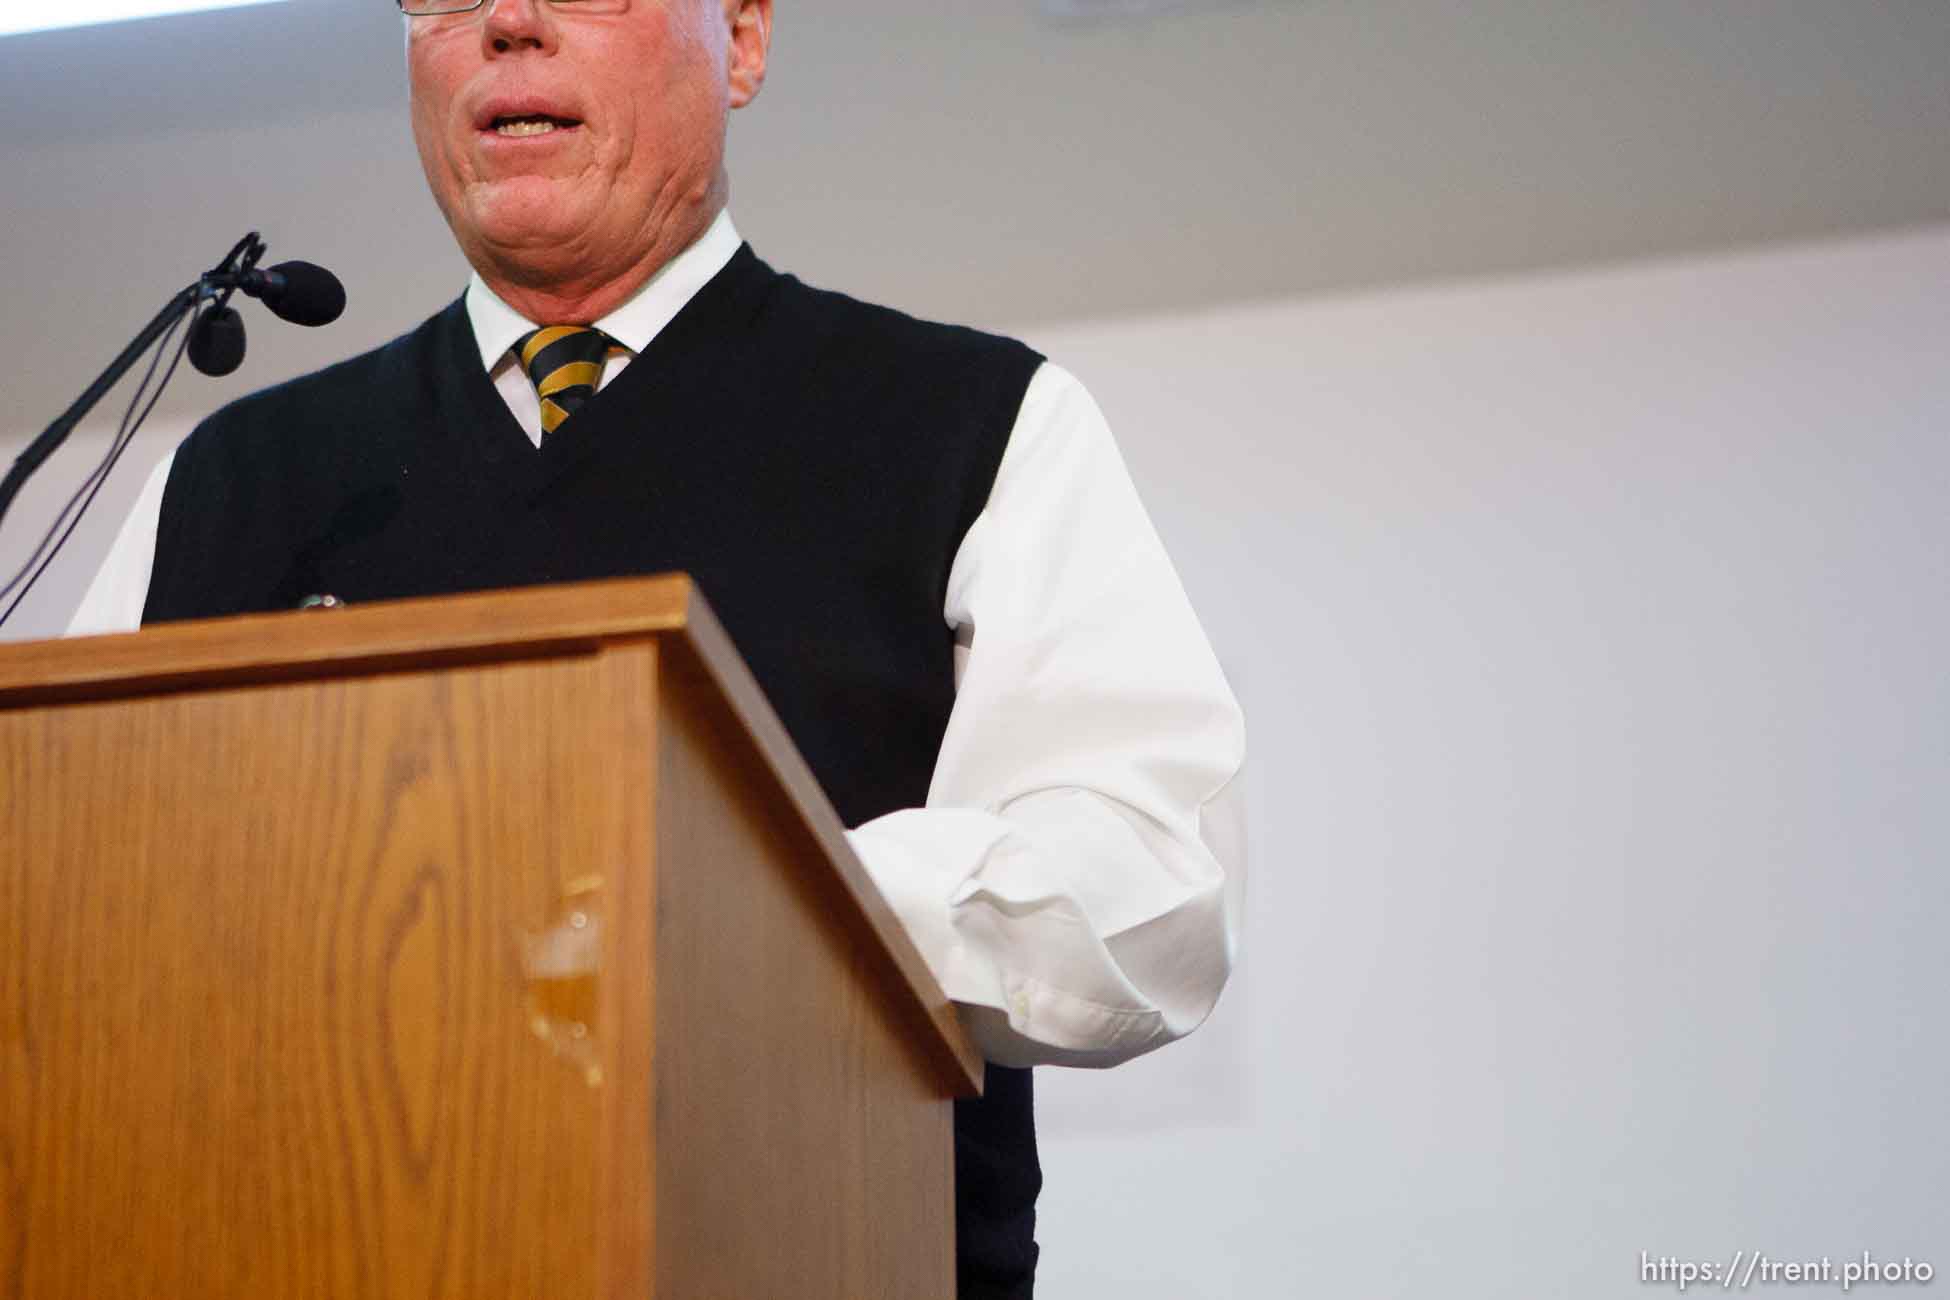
x=295, y=291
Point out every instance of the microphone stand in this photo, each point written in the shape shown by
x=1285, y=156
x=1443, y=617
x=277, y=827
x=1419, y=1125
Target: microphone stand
x=57, y=433
x=250, y=248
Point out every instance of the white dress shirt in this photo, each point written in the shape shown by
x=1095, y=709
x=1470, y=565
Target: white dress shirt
x=1060, y=883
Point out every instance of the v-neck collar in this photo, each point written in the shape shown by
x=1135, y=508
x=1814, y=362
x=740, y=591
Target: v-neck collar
x=686, y=351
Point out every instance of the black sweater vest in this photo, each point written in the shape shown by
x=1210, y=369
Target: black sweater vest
x=812, y=461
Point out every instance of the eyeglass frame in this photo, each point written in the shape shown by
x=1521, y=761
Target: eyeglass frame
x=450, y=7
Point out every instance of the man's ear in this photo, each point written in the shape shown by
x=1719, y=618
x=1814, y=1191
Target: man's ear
x=751, y=41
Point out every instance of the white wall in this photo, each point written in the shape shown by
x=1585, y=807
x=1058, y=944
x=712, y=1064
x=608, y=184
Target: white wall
x=1591, y=630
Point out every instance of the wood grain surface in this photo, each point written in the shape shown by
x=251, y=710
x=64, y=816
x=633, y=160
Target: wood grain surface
x=263, y=1017
x=270, y=1019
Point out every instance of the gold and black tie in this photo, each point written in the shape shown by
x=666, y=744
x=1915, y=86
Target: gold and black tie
x=565, y=363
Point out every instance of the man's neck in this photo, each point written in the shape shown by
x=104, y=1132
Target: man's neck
x=498, y=327
x=584, y=301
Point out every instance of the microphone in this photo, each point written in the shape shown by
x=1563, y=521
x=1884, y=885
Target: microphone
x=300, y=292
x=217, y=341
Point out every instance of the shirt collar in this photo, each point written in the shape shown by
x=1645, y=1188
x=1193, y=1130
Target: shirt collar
x=497, y=326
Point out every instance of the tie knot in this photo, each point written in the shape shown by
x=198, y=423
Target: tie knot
x=565, y=363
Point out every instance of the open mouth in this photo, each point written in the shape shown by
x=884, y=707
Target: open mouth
x=532, y=124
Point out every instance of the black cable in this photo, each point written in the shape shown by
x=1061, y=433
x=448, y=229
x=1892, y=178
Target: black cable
x=90, y=486
x=124, y=436
x=121, y=432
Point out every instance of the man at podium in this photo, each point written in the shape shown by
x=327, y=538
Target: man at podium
x=921, y=537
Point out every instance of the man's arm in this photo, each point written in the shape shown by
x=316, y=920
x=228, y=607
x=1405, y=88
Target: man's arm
x=1058, y=882
x=115, y=598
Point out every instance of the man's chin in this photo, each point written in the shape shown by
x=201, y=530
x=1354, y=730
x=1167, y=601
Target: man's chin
x=519, y=224
x=525, y=198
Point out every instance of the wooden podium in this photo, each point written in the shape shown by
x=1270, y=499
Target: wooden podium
x=485, y=946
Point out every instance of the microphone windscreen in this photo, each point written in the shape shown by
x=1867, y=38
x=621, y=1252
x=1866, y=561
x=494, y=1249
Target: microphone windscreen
x=217, y=341
x=309, y=294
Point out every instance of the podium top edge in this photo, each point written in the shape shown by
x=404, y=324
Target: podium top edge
x=484, y=626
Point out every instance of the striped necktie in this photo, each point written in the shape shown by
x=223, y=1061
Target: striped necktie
x=565, y=363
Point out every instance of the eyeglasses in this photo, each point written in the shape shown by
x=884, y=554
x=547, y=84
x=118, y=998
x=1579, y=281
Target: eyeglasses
x=429, y=8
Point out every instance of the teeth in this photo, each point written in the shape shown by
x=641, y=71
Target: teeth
x=525, y=126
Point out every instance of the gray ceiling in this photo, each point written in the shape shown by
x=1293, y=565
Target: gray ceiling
x=990, y=163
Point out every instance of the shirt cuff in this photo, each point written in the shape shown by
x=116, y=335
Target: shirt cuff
x=1033, y=982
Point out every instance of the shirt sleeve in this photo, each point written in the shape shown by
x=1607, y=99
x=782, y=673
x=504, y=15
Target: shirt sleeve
x=115, y=599
x=1061, y=882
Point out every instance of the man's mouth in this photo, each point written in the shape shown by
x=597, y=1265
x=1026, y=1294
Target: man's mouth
x=532, y=124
